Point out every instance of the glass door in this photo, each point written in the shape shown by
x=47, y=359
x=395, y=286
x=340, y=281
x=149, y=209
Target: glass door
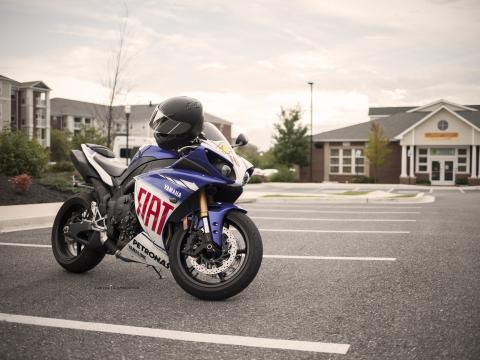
x=436, y=170
x=442, y=172
x=448, y=171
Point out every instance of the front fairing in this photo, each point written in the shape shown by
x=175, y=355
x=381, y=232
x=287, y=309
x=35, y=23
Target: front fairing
x=224, y=150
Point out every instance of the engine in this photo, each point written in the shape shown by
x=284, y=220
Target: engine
x=122, y=223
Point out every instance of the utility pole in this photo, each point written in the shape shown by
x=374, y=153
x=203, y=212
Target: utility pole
x=311, y=131
x=127, y=116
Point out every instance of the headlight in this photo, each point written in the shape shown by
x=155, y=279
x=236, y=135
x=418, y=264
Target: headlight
x=246, y=178
x=221, y=165
x=226, y=170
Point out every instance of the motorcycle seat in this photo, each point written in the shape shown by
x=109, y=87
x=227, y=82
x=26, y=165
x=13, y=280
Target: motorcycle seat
x=112, y=166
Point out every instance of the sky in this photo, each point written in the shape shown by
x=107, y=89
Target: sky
x=246, y=59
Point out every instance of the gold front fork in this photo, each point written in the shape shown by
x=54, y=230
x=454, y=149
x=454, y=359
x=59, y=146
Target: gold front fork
x=204, y=211
x=203, y=204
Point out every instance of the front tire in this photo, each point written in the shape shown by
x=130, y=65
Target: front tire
x=249, y=262
x=72, y=256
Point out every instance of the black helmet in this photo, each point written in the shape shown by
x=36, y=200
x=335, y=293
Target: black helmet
x=177, y=121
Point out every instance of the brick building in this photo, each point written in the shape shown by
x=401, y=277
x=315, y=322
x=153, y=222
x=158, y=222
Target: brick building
x=438, y=142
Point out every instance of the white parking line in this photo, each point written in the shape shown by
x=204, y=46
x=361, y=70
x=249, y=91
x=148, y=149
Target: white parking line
x=333, y=211
x=301, y=257
x=25, y=245
x=338, y=231
x=461, y=190
x=326, y=219
x=390, y=190
x=431, y=190
x=304, y=257
x=333, y=206
x=268, y=343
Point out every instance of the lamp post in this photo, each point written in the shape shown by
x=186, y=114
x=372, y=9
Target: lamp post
x=127, y=116
x=311, y=130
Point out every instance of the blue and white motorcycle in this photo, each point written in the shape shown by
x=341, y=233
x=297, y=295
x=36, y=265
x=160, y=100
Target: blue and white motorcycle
x=169, y=208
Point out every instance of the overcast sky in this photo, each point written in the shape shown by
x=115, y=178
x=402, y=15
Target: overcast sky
x=245, y=59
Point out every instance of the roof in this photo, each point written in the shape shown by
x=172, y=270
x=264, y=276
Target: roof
x=8, y=79
x=37, y=84
x=61, y=106
x=389, y=110
x=394, y=124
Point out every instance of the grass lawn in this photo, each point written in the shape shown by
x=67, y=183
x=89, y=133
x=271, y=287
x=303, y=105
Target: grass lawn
x=61, y=181
x=353, y=193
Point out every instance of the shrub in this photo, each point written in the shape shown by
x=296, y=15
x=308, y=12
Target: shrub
x=59, y=145
x=256, y=179
x=461, y=181
x=20, y=155
x=21, y=183
x=423, y=182
x=61, y=166
x=283, y=175
x=361, y=179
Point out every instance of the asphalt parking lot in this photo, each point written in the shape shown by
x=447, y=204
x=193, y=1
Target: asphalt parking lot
x=339, y=281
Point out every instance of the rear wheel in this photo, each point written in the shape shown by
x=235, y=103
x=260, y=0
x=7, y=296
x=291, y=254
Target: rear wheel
x=72, y=255
x=229, y=271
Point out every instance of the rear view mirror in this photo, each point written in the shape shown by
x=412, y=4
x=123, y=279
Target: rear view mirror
x=241, y=140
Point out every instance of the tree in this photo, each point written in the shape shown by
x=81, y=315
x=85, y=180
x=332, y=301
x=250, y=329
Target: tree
x=88, y=135
x=60, y=145
x=377, y=150
x=115, y=81
x=291, y=142
x=19, y=154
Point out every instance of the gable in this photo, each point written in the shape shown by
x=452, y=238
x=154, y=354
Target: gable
x=439, y=104
x=459, y=132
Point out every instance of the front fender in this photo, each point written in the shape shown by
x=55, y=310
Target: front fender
x=216, y=215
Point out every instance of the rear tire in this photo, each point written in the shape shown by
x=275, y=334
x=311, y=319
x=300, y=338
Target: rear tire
x=85, y=259
x=245, y=275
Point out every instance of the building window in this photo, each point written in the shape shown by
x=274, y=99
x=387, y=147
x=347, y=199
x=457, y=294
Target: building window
x=349, y=161
x=462, y=160
x=422, y=160
x=442, y=125
x=442, y=151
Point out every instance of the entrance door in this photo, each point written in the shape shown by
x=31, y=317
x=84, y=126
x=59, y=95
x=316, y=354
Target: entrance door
x=442, y=172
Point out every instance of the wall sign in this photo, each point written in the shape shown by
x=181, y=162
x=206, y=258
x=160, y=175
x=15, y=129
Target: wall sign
x=441, y=136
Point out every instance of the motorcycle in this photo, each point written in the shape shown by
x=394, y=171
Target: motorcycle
x=170, y=208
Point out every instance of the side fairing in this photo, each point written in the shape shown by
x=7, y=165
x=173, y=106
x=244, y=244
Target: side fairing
x=156, y=198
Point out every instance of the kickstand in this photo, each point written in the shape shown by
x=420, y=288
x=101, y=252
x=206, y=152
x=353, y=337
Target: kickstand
x=157, y=271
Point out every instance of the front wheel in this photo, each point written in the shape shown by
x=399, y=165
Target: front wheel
x=227, y=272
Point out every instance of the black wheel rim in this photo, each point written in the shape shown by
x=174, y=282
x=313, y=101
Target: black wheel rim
x=68, y=248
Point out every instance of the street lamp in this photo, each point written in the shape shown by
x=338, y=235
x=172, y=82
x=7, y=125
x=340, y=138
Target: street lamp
x=127, y=116
x=311, y=130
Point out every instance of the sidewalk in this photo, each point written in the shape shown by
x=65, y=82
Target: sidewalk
x=26, y=217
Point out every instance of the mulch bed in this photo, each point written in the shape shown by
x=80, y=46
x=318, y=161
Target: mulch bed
x=36, y=194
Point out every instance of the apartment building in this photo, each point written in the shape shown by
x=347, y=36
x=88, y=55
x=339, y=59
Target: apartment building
x=25, y=106
x=72, y=115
